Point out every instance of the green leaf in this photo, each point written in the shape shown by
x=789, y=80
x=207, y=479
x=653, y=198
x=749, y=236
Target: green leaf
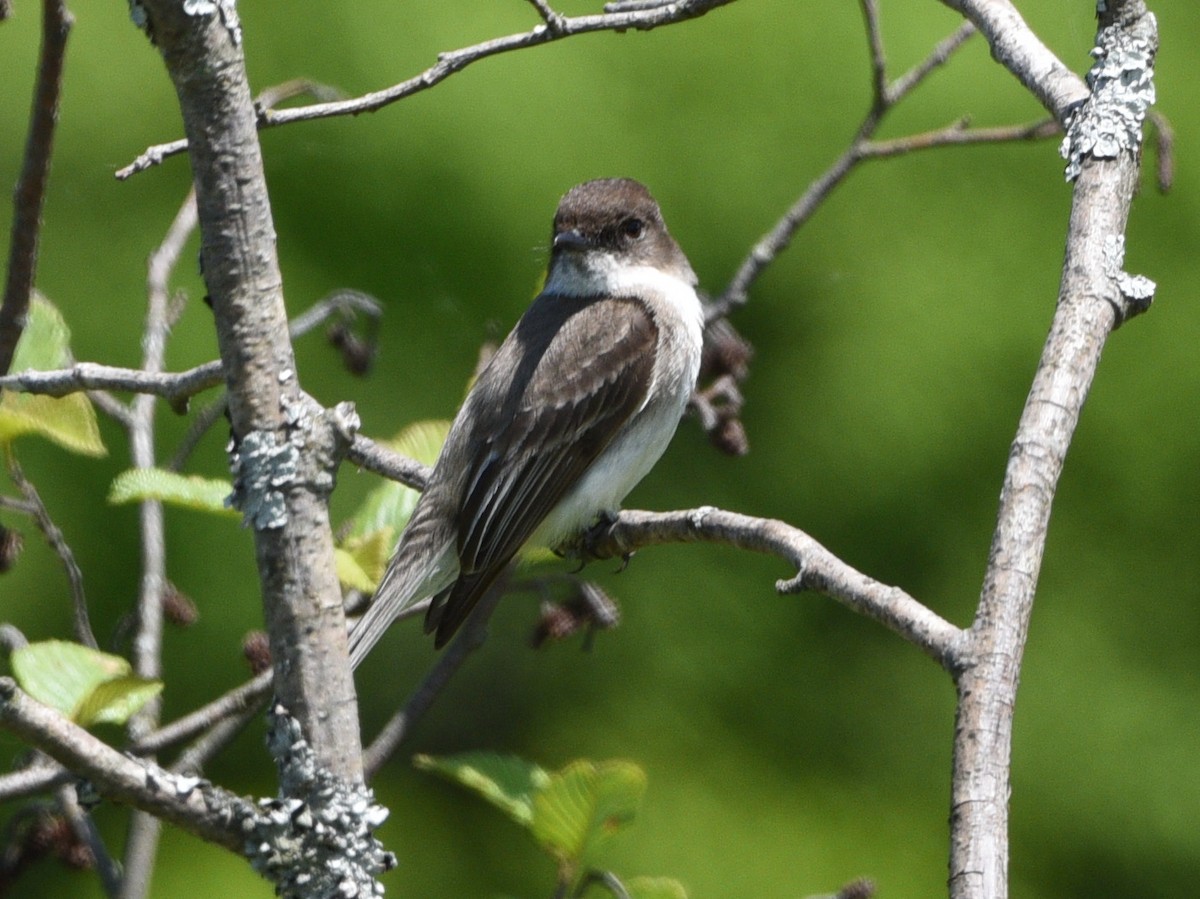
x=361, y=560
x=189, y=491
x=584, y=806
x=655, y=888
x=69, y=421
x=86, y=685
x=506, y=781
x=116, y=701
x=391, y=504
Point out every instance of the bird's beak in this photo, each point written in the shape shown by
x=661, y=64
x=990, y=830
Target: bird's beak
x=570, y=240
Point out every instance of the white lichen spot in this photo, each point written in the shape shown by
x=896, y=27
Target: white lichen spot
x=1122, y=83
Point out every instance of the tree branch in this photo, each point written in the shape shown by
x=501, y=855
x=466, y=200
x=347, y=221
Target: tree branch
x=817, y=568
x=885, y=96
x=551, y=29
x=141, y=845
x=284, y=457
x=30, y=194
x=197, y=807
x=241, y=698
x=1092, y=300
x=175, y=387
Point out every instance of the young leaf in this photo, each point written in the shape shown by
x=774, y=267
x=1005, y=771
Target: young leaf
x=116, y=701
x=655, y=888
x=189, y=491
x=69, y=421
x=362, y=560
x=506, y=781
x=584, y=805
x=86, y=685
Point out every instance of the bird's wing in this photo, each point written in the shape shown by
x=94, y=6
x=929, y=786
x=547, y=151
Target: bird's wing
x=582, y=375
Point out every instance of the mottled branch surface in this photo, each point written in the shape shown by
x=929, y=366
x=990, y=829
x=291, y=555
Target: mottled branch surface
x=301, y=594
x=196, y=807
x=1090, y=304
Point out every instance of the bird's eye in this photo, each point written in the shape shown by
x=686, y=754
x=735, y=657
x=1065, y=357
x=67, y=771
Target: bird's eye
x=633, y=228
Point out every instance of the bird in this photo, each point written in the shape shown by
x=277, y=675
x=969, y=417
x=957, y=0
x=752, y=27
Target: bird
x=572, y=410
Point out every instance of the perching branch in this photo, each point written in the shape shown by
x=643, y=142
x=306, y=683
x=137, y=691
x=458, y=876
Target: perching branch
x=553, y=27
x=30, y=194
x=816, y=568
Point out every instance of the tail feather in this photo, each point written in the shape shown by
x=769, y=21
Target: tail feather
x=406, y=582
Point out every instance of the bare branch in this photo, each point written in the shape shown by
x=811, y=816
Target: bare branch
x=87, y=833
x=285, y=503
x=141, y=845
x=449, y=63
x=30, y=194
x=817, y=568
x=1092, y=301
x=368, y=454
x=112, y=407
x=879, y=84
x=58, y=543
x=40, y=777
x=197, y=807
x=938, y=56
x=957, y=135
x=247, y=696
x=176, y=388
x=885, y=97
x=392, y=735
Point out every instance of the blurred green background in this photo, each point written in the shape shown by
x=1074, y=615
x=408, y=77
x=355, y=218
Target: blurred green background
x=790, y=745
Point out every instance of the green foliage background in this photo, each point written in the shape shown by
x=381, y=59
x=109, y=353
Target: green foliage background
x=790, y=746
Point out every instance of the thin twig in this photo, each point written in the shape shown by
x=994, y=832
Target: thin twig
x=435, y=681
x=193, y=759
x=200, y=425
x=40, y=777
x=87, y=833
x=958, y=135
x=879, y=83
x=453, y=62
x=30, y=195
x=112, y=407
x=885, y=96
x=247, y=696
x=141, y=844
x=58, y=543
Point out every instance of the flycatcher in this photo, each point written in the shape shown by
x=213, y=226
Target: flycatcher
x=574, y=409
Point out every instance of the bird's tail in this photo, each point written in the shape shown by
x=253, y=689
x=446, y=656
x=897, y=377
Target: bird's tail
x=410, y=577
